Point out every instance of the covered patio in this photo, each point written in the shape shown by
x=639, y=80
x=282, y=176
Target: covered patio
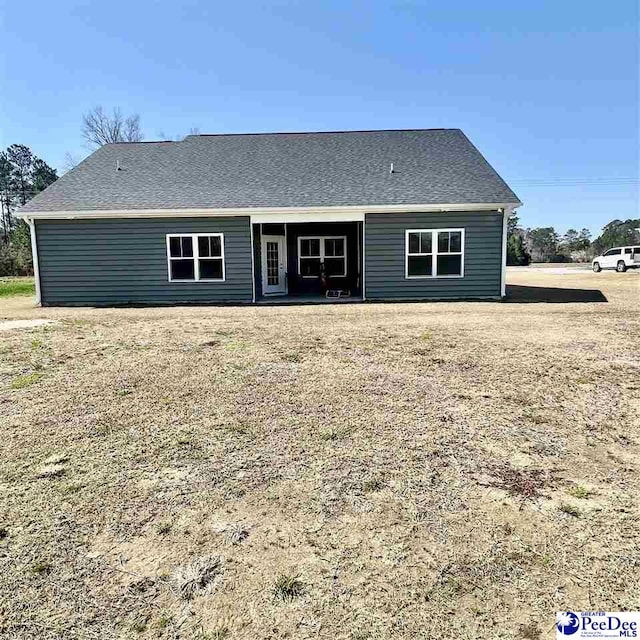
x=308, y=262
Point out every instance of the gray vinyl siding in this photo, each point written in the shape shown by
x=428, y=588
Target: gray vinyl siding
x=385, y=256
x=124, y=261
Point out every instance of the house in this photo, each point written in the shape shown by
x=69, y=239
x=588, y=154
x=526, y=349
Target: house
x=377, y=215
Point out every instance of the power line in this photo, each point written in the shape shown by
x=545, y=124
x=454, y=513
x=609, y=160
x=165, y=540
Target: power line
x=574, y=182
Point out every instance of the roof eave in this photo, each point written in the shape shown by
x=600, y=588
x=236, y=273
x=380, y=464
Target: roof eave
x=257, y=211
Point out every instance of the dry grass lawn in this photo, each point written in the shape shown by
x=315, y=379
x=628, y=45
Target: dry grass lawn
x=449, y=470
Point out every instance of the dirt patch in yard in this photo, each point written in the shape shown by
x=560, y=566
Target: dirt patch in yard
x=354, y=471
x=8, y=325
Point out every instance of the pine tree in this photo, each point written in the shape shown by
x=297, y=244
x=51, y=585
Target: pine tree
x=6, y=199
x=21, y=160
x=22, y=175
x=517, y=254
x=43, y=175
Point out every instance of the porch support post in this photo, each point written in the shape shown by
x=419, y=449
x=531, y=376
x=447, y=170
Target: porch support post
x=253, y=265
x=506, y=213
x=34, y=253
x=364, y=258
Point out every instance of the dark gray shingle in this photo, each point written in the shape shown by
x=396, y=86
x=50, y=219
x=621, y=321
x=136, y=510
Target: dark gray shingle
x=432, y=166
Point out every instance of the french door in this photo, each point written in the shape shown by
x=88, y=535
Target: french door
x=274, y=260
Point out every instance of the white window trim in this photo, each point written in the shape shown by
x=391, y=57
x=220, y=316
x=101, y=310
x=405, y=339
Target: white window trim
x=322, y=256
x=434, y=254
x=196, y=257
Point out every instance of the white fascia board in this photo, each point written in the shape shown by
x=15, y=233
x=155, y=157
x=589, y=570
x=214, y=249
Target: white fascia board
x=269, y=214
x=310, y=216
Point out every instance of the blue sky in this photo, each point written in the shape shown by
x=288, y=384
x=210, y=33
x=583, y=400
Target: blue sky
x=548, y=90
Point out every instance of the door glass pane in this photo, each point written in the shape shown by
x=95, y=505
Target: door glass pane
x=419, y=265
x=211, y=269
x=182, y=270
x=273, y=264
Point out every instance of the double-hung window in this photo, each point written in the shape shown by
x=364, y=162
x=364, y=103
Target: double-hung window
x=434, y=253
x=328, y=250
x=195, y=257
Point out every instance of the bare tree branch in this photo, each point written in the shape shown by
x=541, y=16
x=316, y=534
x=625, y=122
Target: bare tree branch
x=178, y=137
x=100, y=128
x=70, y=161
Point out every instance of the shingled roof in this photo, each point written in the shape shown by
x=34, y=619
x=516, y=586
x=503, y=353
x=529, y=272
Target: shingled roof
x=348, y=168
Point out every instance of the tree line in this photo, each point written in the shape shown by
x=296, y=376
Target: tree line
x=544, y=244
x=22, y=176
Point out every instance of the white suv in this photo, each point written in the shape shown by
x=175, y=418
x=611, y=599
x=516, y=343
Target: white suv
x=618, y=258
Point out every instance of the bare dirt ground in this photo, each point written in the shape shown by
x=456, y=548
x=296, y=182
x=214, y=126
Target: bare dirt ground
x=372, y=471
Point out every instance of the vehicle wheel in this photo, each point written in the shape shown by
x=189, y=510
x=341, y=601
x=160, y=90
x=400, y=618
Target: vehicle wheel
x=596, y=267
x=621, y=267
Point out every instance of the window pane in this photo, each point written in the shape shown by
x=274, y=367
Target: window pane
x=187, y=246
x=174, y=247
x=425, y=242
x=455, y=241
x=310, y=247
x=182, y=270
x=216, y=245
x=334, y=266
x=203, y=247
x=419, y=265
x=310, y=267
x=414, y=243
x=339, y=247
x=209, y=246
x=443, y=242
x=334, y=247
x=210, y=269
x=449, y=265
